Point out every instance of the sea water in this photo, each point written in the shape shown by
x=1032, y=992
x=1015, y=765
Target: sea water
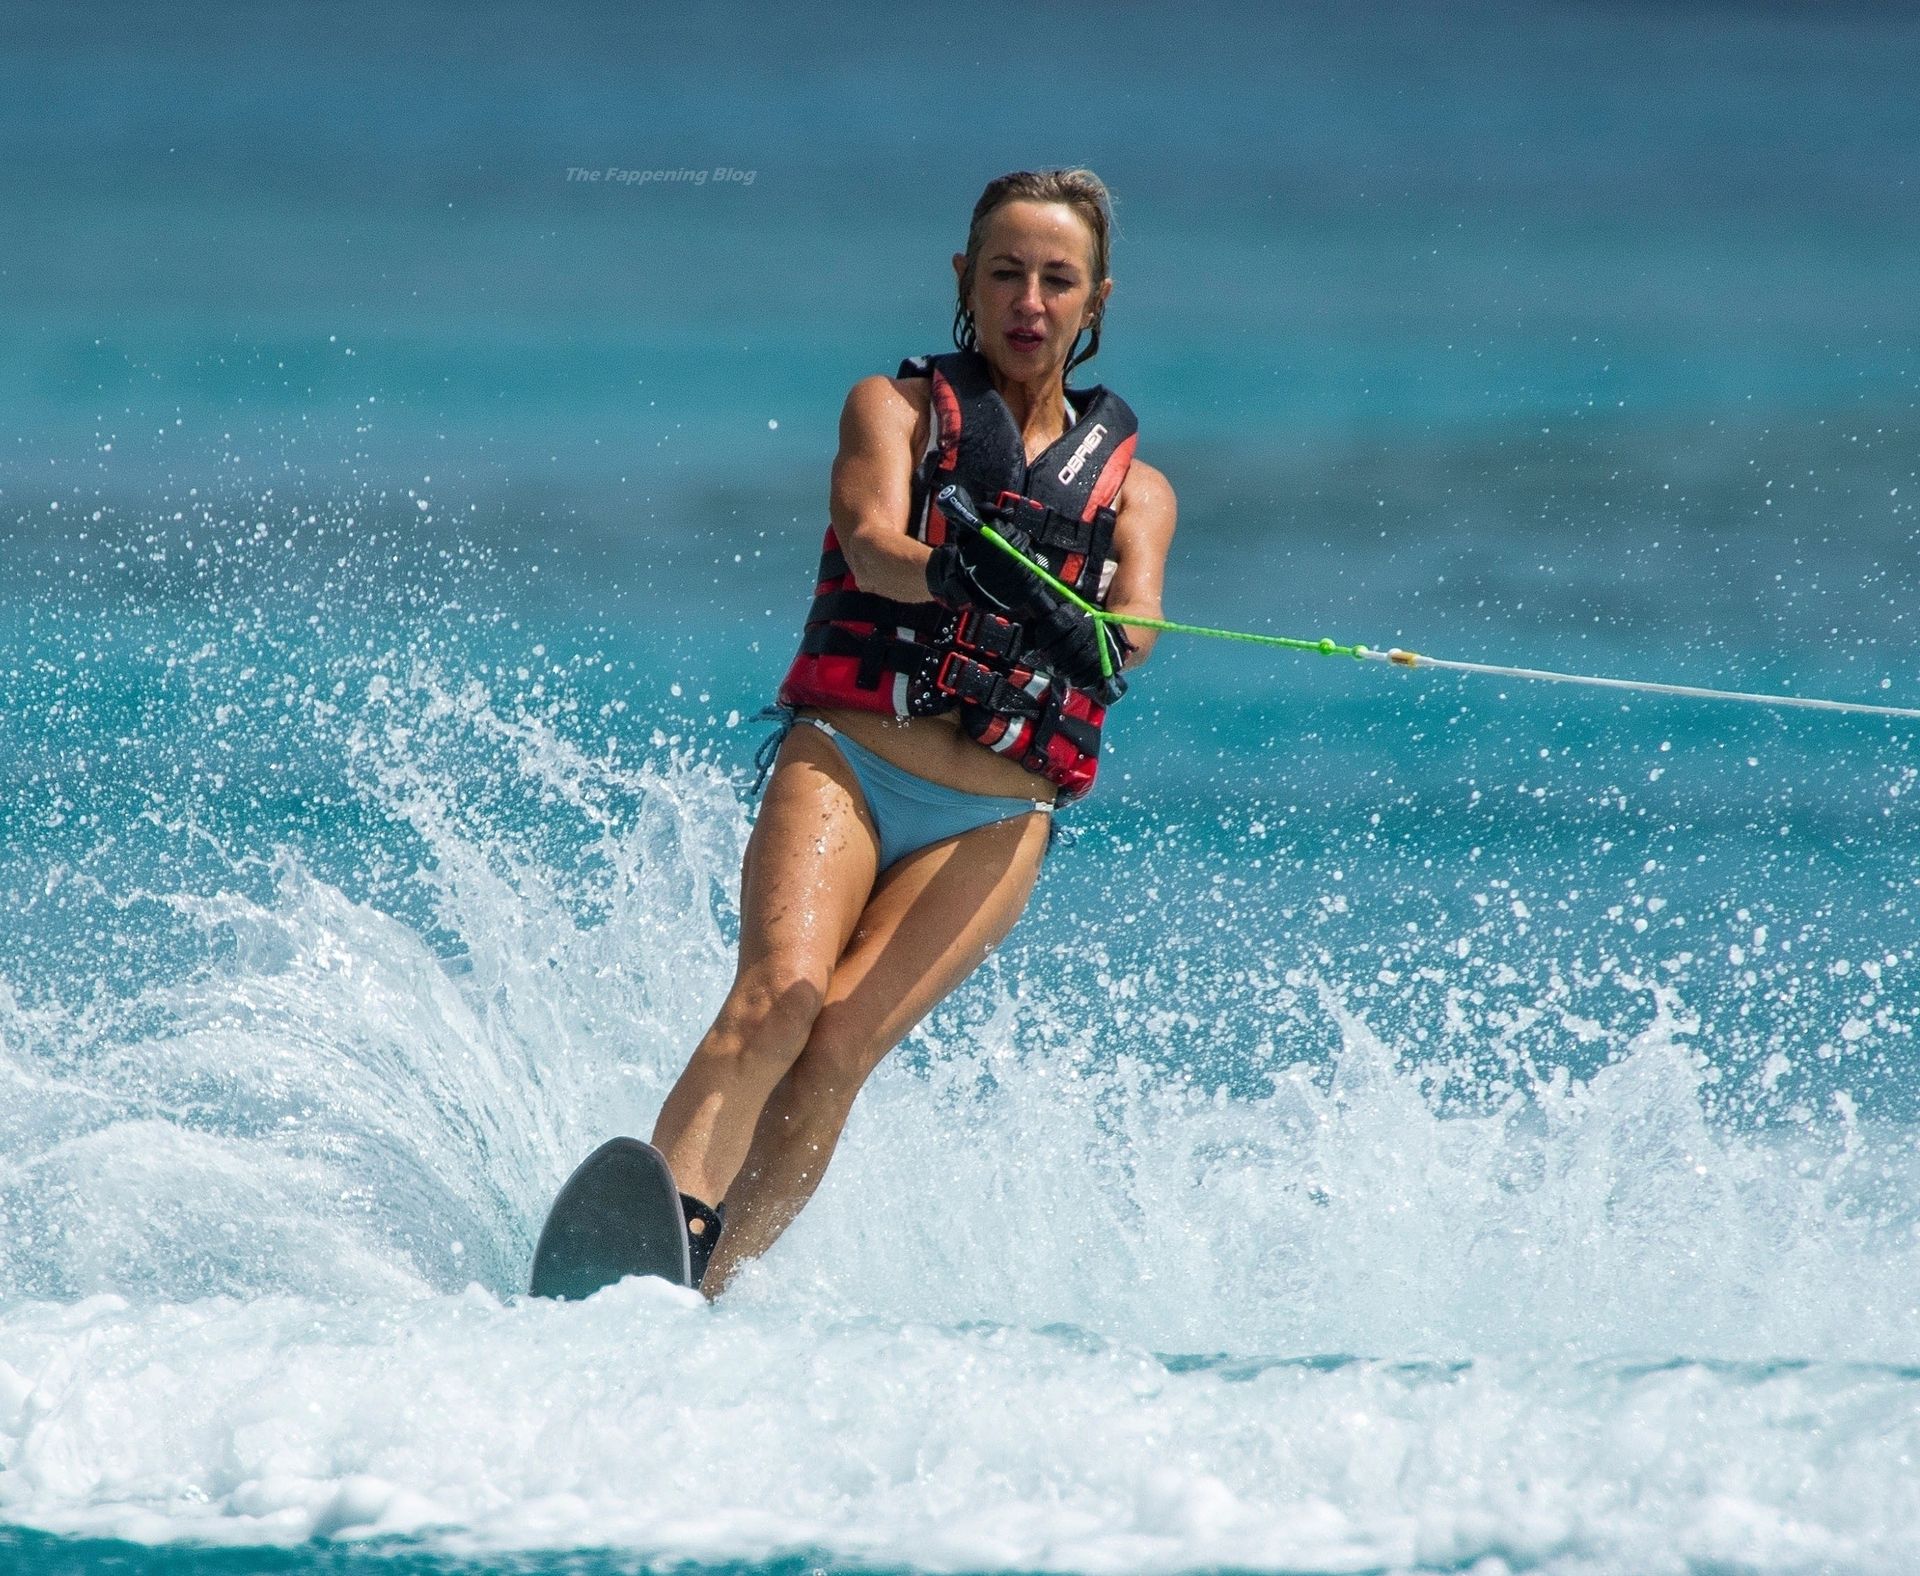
x=1423, y=1123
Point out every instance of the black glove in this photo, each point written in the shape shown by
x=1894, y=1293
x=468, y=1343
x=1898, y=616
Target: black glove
x=1068, y=642
x=967, y=568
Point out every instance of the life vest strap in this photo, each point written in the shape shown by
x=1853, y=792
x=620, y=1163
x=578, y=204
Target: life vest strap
x=972, y=629
x=865, y=607
x=1084, y=736
x=878, y=654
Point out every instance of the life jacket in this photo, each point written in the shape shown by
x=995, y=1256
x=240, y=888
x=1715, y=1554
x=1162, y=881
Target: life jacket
x=917, y=659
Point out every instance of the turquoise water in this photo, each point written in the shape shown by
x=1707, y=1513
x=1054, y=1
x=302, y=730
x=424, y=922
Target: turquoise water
x=1424, y=1123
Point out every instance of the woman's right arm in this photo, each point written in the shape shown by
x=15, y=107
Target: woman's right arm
x=872, y=491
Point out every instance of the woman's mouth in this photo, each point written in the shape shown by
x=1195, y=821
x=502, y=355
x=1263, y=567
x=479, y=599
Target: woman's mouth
x=1025, y=338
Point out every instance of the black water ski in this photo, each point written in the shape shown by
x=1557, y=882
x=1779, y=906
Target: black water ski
x=618, y=1215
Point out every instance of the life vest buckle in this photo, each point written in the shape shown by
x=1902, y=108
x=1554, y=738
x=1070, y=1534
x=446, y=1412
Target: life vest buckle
x=966, y=680
x=988, y=633
x=1046, y=527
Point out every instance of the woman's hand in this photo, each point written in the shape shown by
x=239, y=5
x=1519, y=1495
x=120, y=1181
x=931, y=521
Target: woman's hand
x=1069, y=641
x=968, y=568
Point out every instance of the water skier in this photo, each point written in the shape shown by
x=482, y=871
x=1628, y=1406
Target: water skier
x=943, y=700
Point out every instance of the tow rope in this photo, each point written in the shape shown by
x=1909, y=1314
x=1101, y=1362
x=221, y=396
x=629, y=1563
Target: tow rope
x=1412, y=659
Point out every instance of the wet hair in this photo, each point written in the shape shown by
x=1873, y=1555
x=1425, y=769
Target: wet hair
x=1082, y=191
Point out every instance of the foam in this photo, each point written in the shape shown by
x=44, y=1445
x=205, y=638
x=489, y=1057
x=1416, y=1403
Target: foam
x=645, y=1421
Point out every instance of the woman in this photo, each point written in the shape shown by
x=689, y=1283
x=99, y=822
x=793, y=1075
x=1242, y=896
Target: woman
x=943, y=699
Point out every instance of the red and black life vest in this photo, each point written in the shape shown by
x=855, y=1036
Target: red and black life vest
x=915, y=659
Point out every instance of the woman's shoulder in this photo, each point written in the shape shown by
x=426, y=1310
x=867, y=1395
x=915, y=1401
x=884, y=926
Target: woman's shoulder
x=1146, y=489
x=880, y=406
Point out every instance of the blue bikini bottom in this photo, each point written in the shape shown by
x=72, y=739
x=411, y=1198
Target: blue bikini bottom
x=910, y=812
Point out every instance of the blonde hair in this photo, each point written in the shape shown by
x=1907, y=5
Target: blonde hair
x=1082, y=191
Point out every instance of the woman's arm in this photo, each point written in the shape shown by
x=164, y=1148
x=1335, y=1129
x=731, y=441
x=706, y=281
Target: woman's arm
x=1142, y=533
x=872, y=491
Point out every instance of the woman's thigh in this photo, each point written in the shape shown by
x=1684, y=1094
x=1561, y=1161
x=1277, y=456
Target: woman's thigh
x=810, y=863
x=932, y=920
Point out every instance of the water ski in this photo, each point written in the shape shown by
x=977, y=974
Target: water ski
x=618, y=1215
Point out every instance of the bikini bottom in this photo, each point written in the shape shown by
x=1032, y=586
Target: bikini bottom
x=909, y=812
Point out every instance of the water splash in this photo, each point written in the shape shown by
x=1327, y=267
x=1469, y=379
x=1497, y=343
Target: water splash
x=1451, y=1246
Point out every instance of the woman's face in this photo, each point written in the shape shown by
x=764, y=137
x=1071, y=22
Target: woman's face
x=1033, y=290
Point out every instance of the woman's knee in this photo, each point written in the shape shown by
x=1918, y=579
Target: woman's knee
x=840, y=1053
x=772, y=1009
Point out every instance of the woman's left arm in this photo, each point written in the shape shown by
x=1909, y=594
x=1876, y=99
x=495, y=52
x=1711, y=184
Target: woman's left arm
x=1142, y=533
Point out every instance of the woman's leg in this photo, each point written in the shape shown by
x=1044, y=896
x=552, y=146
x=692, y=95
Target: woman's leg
x=933, y=918
x=808, y=872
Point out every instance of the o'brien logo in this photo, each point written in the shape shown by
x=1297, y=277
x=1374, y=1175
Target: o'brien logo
x=1087, y=445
